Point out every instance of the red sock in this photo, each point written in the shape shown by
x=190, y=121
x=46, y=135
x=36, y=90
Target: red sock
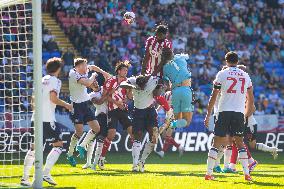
x=234, y=154
x=173, y=142
x=105, y=147
x=248, y=152
x=166, y=144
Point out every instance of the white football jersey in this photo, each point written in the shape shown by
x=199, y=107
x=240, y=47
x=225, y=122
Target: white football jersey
x=234, y=83
x=144, y=98
x=103, y=108
x=49, y=83
x=78, y=92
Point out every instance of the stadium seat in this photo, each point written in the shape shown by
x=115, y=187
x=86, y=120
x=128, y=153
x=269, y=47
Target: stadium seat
x=55, y=54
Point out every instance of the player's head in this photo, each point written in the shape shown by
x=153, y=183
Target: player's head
x=121, y=68
x=161, y=32
x=53, y=66
x=231, y=58
x=81, y=65
x=167, y=54
x=141, y=81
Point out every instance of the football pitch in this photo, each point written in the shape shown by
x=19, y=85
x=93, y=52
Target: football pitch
x=170, y=172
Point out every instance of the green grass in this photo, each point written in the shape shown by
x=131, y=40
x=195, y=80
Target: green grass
x=170, y=172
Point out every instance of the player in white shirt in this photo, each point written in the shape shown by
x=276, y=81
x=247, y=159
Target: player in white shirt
x=51, y=130
x=83, y=108
x=99, y=99
x=144, y=116
x=235, y=87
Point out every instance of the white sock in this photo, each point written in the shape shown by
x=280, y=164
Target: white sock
x=227, y=156
x=28, y=164
x=51, y=159
x=98, y=151
x=73, y=143
x=212, y=156
x=243, y=158
x=89, y=136
x=90, y=151
x=149, y=147
x=263, y=147
x=136, y=148
x=250, y=160
x=232, y=166
x=219, y=157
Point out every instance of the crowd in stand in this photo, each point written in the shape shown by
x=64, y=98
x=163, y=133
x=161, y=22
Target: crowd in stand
x=205, y=30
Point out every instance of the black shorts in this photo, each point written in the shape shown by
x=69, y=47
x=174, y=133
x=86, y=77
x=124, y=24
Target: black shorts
x=119, y=116
x=143, y=118
x=83, y=112
x=102, y=119
x=229, y=123
x=51, y=131
x=249, y=134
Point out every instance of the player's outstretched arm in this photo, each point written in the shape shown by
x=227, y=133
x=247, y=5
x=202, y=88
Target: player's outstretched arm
x=210, y=106
x=250, y=108
x=54, y=99
x=97, y=69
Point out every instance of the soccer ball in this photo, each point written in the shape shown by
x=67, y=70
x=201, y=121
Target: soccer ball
x=129, y=17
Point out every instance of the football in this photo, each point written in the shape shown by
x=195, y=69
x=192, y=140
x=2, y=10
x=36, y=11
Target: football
x=129, y=17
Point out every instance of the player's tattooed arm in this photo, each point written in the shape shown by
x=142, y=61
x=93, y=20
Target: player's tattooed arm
x=144, y=62
x=210, y=106
x=59, y=102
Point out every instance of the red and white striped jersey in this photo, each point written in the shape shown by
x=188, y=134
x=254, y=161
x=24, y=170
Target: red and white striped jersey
x=119, y=93
x=155, y=49
x=168, y=97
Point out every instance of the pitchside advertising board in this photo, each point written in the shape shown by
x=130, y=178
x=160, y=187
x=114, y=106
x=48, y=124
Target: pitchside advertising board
x=18, y=139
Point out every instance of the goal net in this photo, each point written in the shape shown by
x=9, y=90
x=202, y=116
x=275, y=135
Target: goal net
x=16, y=87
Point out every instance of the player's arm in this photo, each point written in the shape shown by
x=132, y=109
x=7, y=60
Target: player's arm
x=97, y=69
x=250, y=108
x=211, y=103
x=87, y=81
x=145, y=61
x=54, y=99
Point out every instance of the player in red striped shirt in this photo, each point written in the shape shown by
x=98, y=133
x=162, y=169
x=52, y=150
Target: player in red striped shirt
x=153, y=47
x=117, y=107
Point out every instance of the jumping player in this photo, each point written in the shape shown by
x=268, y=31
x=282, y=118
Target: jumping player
x=51, y=89
x=83, y=108
x=175, y=69
x=234, y=85
x=153, y=54
x=145, y=116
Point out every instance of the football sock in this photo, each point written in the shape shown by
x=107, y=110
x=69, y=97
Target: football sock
x=89, y=136
x=136, y=148
x=51, y=159
x=227, y=156
x=263, y=147
x=28, y=163
x=243, y=158
x=149, y=146
x=212, y=156
x=106, y=145
x=73, y=143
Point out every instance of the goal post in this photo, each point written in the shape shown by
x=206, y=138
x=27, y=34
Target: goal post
x=37, y=54
x=20, y=79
